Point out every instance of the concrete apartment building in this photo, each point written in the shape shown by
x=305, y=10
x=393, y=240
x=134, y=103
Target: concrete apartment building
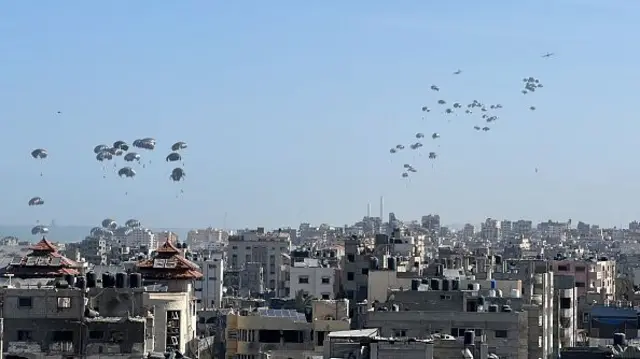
x=70, y=313
x=591, y=275
x=209, y=288
x=267, y=249
x=507, y=329
x=284, y=333
x=369, y=344
x=313, y=278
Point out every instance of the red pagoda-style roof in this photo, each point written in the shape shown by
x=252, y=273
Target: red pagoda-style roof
x=43, y=262
x=168, y=263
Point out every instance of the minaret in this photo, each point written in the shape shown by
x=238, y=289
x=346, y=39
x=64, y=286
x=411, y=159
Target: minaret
x=382, y=208
x=368, y=210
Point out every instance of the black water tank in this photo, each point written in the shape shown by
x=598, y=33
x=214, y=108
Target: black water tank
x=445, y=284
x=391, y=263
x=493, y=308
x=71, y=280
x=481, y=300
x=619, y=339
x=469, y=337
x=108, y=280
x=415, y=283
x=439, y=270
x=470, y=286
x=425, y=281
x=455, y=284
x=506, y=308
x=435, y=284
x=373, y=263
x=135, y=280
x=121, y=280
x=498, y=260
x=81, y=282
x=92, y=278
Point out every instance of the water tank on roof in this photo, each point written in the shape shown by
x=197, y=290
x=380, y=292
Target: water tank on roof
x=415, y=284
x=469, y=337
x=108, y=280
x=446, y=285
x=71, y=280
x=494, y=284
x=476, y=286
x=455, y=284
x=121, y=280
x=425, y=281
x=374, y=263
x=515, y=293
x=439, y=270
x=92, y=280
x=81, y=282
x=493, y=308
x=435, y=284
x=492, y=293
x=506, y=308
x=135, y=280
x=619, y=339
x=391, y=263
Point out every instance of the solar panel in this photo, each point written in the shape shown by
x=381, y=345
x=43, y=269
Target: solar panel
x=31, y=261
x=42, y=261
x=159, y=263
x=171, y=264
x=16, y=261
x=55, y=261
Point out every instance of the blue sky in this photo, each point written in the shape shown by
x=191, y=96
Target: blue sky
x=290, y=108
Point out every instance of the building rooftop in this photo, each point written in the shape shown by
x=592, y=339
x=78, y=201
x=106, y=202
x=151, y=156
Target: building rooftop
x=168, y=263
x=43, y=262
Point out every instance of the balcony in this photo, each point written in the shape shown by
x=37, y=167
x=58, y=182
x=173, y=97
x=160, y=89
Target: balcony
x=61, y=347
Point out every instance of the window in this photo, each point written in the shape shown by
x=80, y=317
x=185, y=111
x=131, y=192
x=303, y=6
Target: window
x=326, y=280
x=501, y=333
x=445, y=297
x=350, y=275
x=64, y=302
x=247, y=248
x=97, y=334
x=24, y=302
x=24, y=335
x=351, y=258
x=455, y=331
x=212, y=266
x=326, y=296
x=62, y=336
x=399, y=332
x=565, y=303
x=580, y=284
x=234, y=247
x=563, y=268
x=580, y=268
x=365, y=271
x=303, y=279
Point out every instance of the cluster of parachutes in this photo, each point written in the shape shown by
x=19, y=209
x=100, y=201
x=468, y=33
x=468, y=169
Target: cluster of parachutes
x=483, y=114
x=109, y=228
x=38, y=154
x=119, y=148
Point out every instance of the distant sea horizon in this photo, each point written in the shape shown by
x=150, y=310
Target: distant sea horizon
x=67, y=234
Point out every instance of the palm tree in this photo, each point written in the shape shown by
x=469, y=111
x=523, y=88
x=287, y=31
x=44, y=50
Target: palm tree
x=303, y=301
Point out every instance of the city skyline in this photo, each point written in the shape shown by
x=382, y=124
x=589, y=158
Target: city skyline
x=271, y=98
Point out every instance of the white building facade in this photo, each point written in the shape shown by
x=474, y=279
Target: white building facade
x=312, y=278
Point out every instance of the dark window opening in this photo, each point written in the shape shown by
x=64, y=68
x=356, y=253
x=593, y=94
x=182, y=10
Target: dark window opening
x=96, y=334
x=320, y=338
x=25, y=335
x=351, y=258
x=501, y=333
x=350, y=275
x=24, y=302
x=565, y=303
x=293, y=336
x=62, y=336
x=269, y=336
x=365, y=271
x=580, y=285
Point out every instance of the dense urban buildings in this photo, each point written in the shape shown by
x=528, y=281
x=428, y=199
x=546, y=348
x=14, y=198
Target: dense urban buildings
x=419, y=289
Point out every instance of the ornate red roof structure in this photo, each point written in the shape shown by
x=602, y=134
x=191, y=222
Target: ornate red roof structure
x=168, y=263
x=43, y=262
